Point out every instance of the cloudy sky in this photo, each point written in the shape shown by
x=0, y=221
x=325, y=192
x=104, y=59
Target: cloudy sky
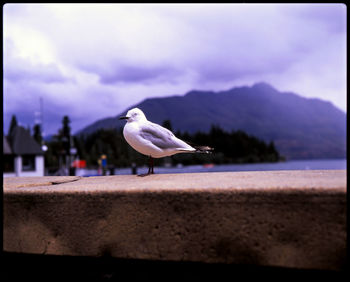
x=91, y=61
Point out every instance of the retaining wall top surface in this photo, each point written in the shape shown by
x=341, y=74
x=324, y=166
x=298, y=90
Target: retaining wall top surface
x=333, y=181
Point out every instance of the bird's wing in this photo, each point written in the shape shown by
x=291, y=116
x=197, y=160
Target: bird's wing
x=162, y=137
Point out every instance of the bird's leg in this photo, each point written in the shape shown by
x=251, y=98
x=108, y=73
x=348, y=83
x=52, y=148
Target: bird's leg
x=151, y=164
x=150, y=167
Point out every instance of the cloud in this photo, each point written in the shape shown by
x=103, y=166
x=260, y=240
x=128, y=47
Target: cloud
x=33, y=63
x=78, y=101
x=22, y=70
x=329, y=16
x=119, y=73
x=95, y=60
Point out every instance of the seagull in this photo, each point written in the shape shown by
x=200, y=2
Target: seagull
x=153, y=140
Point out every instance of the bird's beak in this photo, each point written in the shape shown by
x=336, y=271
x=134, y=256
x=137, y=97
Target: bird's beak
x=123, y=117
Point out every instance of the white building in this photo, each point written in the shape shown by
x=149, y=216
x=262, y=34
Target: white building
x=22, y=155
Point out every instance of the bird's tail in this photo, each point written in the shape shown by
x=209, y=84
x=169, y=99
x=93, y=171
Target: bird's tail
x=201, y=149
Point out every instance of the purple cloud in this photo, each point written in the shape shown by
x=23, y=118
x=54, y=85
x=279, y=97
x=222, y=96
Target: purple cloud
x=119, y=73
x=25, y=71
x=18, y=68
x=95, y=60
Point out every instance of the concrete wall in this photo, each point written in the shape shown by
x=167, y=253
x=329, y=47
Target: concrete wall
x=39, y=165
x=291, y=219
x=18, y=165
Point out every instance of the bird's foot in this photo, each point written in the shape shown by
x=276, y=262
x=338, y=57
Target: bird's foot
x=145, y=174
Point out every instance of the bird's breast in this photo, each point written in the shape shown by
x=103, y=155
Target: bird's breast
x=131, y=134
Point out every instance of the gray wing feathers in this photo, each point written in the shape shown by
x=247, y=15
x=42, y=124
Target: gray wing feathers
x=162, y=137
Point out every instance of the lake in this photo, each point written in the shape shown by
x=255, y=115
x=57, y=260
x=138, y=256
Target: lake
x=287, y=165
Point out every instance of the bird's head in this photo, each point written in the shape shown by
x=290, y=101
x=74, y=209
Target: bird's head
x=134, y=114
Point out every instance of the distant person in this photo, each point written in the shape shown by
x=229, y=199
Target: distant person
x=133, y=168
x=72, y=171
x=111, y=170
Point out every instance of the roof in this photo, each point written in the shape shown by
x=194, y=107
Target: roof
x=6, y=149
x=23, y=143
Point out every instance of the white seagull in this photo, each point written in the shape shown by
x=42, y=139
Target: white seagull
x=153, y=140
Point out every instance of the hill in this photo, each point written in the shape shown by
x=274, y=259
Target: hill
x=301, y=128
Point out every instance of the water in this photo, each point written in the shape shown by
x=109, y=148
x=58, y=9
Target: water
x=288, y=165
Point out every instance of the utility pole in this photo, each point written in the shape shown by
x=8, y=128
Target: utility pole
x=39, y=120
x=42, y=117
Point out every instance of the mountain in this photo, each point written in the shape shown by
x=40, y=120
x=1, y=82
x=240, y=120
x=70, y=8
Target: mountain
x=301, y=128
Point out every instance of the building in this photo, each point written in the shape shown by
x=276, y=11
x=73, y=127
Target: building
x=22, y=155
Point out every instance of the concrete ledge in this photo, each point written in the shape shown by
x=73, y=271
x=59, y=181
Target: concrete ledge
x=291, y=219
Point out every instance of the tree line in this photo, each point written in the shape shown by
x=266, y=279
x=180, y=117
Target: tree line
x=229, y=147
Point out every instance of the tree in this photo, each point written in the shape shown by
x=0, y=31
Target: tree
x=37, y=133
x=13, y=124
x=66, y=128
x=65, y=133
x=167, y=124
